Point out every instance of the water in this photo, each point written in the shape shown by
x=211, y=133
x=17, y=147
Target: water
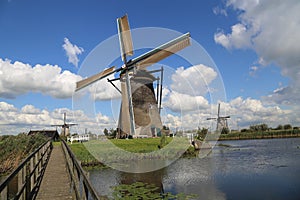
x=248, y=169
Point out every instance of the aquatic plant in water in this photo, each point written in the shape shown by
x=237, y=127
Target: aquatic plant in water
x=145, y=191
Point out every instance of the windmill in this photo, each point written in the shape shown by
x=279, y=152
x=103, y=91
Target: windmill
x=65, y=126
x=139, y=112
x=221, y=121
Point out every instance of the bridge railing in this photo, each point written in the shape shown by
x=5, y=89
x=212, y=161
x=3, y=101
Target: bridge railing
x=80, y=184
x=28, y=175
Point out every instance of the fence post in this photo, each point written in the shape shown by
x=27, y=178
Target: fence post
x=4, y=194
x=28, y=181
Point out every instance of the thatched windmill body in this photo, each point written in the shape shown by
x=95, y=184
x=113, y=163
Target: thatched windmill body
x=140, y=108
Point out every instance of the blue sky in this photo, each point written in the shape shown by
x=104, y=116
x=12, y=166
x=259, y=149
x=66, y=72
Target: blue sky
x=253, y=47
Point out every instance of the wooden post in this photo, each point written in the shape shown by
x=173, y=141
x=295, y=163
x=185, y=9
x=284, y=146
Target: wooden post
x=28, y=180
x=20, y=182
x=4, y=194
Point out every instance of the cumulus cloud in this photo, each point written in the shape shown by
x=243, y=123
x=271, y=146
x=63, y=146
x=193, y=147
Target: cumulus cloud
x=187, y=88
x=194, y=80
x=250, y=111
x=240, y=37
x=270, y=28
x=72, y=51
x=30, y=109
x=14, y=120
x=179, y=102
x=103, y=90
x=19, y=78
x=243, y=112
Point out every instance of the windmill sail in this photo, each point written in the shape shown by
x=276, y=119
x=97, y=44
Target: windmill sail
x=125, y=37
x=85, y=82
x=139, y=109
x=161, y=52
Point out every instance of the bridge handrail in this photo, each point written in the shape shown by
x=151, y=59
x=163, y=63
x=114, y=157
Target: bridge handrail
x=32, y=169
x=78, y=176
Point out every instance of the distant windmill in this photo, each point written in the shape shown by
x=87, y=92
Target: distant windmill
x=65, y=126
x=139, y=113
x=221, y=121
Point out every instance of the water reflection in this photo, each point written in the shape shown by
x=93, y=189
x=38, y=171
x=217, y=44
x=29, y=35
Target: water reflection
x=252, y=169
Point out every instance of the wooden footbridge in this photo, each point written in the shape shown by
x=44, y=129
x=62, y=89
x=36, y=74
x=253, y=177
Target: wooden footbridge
x=50, y=172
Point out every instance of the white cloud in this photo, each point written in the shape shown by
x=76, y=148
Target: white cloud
x=179, y=102
x=5, y=107
x=252, y=111
x=243, y=112
x=72, y=51
x=103, y=90
x=253, y=70
x=240, y=37
x=219, y=11
x=14, y=121
x=270, y=28
x=194, y=80
x=187, y=88
x=18, y=78
x=30, y=109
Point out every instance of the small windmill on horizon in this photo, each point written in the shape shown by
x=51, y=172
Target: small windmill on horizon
x=65, y=126
x=221, y=121
x=140, y=109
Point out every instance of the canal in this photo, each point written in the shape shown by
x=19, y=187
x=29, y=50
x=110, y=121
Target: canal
x=241, y=169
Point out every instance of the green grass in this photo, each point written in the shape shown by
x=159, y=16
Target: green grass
x=56, y=143
x=128, y=150
x=144, y=145
x=82, y=153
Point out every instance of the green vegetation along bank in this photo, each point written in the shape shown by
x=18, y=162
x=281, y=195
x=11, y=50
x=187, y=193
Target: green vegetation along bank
x=14, y=148
x=269, y=134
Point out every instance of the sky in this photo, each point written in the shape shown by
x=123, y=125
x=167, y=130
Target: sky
x=47, y=46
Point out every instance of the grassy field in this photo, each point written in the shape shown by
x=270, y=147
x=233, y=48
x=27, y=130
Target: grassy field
x=82, y=154
x=127, y=150
x=144, y=145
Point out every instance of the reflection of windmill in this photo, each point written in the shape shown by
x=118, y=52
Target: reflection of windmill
x=221, y=121
x=139, y=114
x=65, y=127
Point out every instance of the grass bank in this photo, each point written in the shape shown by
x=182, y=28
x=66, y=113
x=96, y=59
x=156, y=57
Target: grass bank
x=130, y=150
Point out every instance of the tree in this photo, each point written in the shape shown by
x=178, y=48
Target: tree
x=201, y=133
x=112, y=132
x=264, y=127
x=259, y=127
x=287, y=127
x=279, y=127
x=225, y=130
x=105, y=131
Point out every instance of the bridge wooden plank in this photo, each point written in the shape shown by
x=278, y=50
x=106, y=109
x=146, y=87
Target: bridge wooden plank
x=55, y=183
